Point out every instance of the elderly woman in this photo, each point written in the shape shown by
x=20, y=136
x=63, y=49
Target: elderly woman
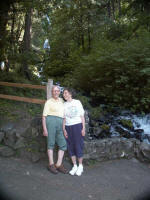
x=74, y=130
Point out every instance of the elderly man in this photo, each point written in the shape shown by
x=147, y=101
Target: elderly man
x=52, y=121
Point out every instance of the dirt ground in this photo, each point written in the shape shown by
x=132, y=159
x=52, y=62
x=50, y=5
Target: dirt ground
x=111, y=180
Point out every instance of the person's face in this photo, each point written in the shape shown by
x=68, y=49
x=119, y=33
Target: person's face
x=67, y=95
x=55, y=92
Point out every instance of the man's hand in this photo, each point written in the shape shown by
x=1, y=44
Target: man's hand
x=65, y=134
x=45, y=133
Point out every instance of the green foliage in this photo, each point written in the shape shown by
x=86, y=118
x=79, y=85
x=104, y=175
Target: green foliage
x=14, y=110
x=6, y=109
x=118, y=31
x=24, y=92
x=105, y=127
x=95, y=113
x=117, y=73
x=100, y=48
x=85, y=101
x=127, y=123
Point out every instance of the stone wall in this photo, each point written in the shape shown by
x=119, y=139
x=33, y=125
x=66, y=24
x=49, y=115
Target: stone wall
x=116, y=148
x=24, y=139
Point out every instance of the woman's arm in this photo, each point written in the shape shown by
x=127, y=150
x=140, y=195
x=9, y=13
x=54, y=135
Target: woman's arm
x=64, y=130
x=83, y=125
x=45, y=132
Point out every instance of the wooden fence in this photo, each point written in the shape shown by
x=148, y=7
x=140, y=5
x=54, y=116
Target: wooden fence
x=47, y=88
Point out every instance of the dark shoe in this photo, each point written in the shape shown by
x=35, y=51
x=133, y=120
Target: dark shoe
x=62, y=169
x=52, y=169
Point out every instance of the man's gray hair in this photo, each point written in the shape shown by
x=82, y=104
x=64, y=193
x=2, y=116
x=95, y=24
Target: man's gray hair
x=55, y=86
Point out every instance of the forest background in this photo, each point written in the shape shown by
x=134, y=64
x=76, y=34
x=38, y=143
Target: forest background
x=99, y=47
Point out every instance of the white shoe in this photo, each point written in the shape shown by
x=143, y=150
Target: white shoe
x=79, y=171
x=73, y=171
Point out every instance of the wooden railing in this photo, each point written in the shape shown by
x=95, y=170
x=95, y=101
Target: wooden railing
x=47, y=88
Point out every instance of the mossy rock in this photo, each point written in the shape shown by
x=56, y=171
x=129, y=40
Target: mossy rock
x=127, y=123
x=105, y=127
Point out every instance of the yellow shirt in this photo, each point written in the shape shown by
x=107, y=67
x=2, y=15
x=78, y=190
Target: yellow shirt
x=54, y=107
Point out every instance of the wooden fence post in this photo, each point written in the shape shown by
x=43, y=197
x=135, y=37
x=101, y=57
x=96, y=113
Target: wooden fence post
x=49, y=86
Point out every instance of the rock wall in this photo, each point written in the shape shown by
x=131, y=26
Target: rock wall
x=24, y=139
x=116, y=148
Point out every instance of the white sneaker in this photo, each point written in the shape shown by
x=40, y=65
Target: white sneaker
x=79, y=171
x=73, y=171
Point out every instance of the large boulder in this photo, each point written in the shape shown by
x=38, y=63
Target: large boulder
x=6, y=151
x=10, y=138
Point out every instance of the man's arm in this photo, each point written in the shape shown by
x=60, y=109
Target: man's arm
x=45, y=132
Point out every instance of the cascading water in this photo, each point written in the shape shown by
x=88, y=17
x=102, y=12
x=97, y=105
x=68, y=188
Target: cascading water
x=121, y=124
x=142, y=122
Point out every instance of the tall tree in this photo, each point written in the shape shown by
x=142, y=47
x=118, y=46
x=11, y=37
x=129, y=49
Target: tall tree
x=26, y=44
x=4, y=9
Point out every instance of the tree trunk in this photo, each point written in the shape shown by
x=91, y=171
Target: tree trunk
x=113, y=9
x=89, y=34
x=109, y=9
x=7, y=65
x=4, y=9
x=12, y=38
x=119, y=7
x=81, y=25
x=26, y=44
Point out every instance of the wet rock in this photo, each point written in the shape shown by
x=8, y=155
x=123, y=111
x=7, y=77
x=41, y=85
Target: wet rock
x=139, y=134
x=127, y=124
x=137, y=124
x=123, y=132
x=105, y=131
x=103, y=118
x=139, y=131
x=94, y=123
x=97, y=131
x=147, y=136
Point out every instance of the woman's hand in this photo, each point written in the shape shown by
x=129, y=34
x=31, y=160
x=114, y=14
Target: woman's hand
x=65, y=134
x=83, y=132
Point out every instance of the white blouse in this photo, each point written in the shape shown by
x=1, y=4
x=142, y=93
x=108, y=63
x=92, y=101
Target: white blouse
x=73, y=111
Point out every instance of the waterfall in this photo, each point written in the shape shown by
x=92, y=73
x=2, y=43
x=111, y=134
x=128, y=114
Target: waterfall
x=142, y=122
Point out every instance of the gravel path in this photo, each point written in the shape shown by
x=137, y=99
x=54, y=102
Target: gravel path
x=111, y=180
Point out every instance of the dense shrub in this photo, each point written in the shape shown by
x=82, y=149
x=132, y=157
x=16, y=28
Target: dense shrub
x=117, y=73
